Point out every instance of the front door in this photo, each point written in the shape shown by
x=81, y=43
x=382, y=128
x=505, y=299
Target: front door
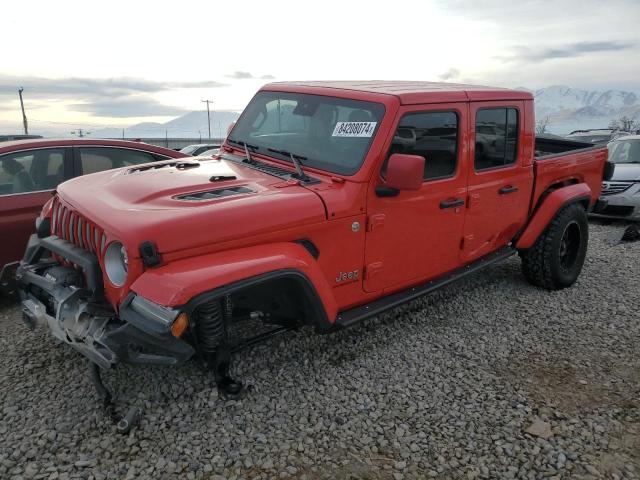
x=416, y=235
x=500, y=178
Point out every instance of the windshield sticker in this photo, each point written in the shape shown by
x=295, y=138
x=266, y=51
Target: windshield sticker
x=354, y=129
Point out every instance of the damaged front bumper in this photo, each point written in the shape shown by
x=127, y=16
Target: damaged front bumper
x=70, y=304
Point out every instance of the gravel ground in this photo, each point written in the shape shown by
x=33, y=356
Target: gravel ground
x=446, y=387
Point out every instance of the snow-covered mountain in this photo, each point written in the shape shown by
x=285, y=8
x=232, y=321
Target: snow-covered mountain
x=189, y=125
x=572, y=109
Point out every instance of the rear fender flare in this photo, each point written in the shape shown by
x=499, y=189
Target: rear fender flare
x=183, y=282
x=550, y=205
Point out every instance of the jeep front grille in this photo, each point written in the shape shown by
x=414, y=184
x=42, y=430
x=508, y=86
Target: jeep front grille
x=611, y=188
x=73, y=227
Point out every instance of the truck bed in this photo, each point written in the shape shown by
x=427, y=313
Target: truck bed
x=563, y=162
x=546, y=146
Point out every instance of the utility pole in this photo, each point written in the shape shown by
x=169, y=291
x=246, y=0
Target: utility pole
x=208, y=115
x=24, y=116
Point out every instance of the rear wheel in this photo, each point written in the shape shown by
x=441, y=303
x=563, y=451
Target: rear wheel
x=555, y=260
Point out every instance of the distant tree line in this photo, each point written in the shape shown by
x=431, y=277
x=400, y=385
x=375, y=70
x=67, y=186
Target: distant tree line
x=625, y=124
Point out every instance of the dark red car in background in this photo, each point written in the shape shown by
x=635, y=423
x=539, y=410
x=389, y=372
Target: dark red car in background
x=31, y=169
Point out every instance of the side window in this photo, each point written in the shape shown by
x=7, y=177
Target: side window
x=31, y=170
x=496, y=137
x=433, y=135
x=97, y=159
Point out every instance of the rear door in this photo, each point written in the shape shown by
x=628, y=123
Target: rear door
x=500, y=180
x=416, y=235
x=27, y=179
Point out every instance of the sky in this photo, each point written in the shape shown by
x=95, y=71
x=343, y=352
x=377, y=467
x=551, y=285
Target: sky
x=117, y=63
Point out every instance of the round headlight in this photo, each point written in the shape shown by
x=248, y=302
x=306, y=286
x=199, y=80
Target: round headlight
x=116, y=263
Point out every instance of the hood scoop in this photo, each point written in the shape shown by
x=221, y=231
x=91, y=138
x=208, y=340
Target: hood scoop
x=179, y=164
x=214, y=194
x=222, y=178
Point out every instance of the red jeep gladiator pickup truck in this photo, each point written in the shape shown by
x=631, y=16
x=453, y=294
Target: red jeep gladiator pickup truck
x=328, y=203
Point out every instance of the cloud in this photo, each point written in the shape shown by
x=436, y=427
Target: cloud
x=536, y=12
x=83, y=88
x=528, y=54
x=108, y=97
x=450, y=74
x=239, y=75
x=127, y=107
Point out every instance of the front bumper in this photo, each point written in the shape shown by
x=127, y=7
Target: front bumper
x=623, y=206
x=73, y=310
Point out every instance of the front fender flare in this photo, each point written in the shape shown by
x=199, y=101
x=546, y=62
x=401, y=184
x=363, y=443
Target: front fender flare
x=548, y=208
x=178, y=282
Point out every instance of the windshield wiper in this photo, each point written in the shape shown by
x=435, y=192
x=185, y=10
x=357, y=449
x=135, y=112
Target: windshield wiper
x=244, y=144
x=247, y=153
x=297, y=163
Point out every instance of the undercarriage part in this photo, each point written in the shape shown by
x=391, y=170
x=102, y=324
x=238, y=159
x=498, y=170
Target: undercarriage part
x=129, y=420
x=212, y=319
x=210, y=327
x=263, y=337
x=123, y=423
x=221, y=370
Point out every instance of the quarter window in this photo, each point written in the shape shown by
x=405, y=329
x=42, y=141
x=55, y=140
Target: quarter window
x=97, y=159
x=432, y=135
x=496, y=137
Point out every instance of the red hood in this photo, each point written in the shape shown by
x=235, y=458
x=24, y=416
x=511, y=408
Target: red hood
x=136, y=206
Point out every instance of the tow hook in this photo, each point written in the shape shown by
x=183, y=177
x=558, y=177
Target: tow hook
x=123, y=423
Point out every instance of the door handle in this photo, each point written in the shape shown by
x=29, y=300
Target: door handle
x=457, y=202
x=508, y=189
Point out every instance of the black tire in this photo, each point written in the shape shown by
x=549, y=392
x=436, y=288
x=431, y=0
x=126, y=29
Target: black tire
x=555, y=260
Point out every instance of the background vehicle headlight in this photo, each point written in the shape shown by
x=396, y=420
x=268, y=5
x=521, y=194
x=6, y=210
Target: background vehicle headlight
x=116, y=263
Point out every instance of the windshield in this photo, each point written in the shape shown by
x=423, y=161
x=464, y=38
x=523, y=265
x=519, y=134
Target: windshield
x=328, y=133
x=624, y=151
x=189, y=149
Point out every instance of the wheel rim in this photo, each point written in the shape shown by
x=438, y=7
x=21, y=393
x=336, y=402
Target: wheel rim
x=570, y=246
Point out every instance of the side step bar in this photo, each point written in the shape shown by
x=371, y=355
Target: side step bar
x=348, y=318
